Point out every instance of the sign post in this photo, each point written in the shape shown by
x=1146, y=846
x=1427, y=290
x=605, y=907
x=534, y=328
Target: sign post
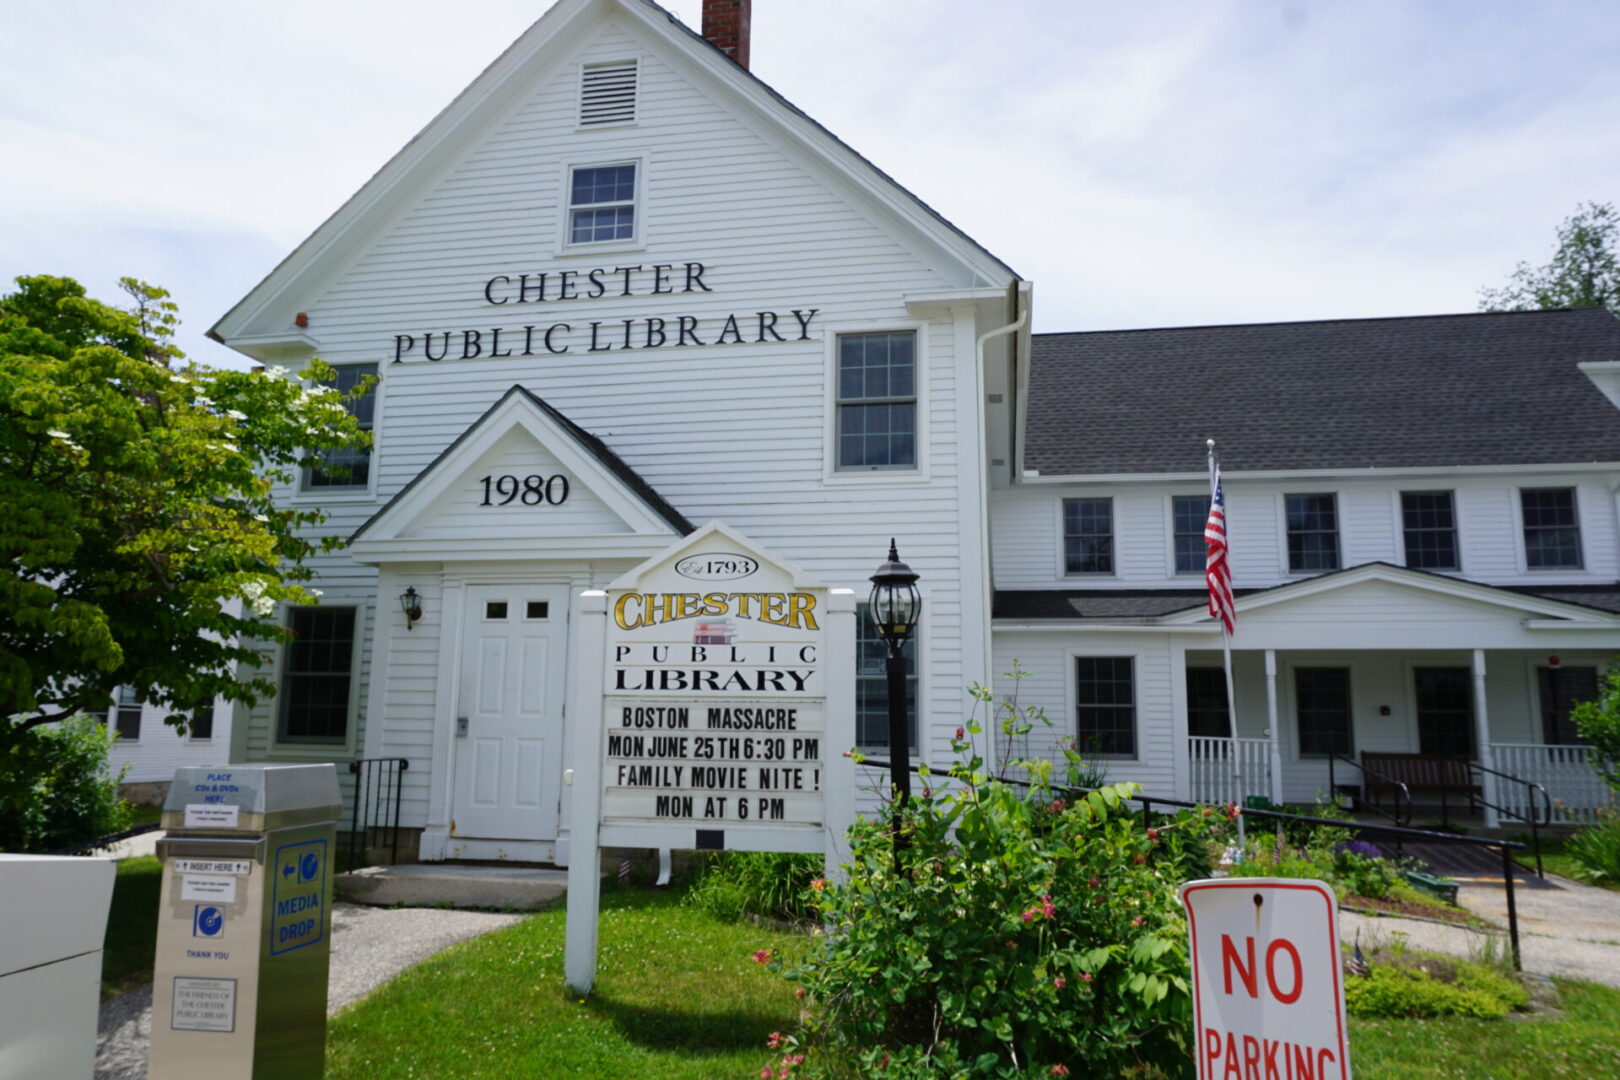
x=1268, y=986
x=709, y=720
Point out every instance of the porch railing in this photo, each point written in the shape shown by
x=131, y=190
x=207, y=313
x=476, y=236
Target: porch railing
x=375, y=821
x=1566, y=772
x=1227, y=770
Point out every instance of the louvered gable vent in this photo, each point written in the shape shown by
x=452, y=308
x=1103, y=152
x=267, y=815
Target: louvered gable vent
x=607, y=94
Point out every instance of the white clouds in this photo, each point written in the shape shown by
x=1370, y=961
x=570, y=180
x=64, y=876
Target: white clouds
x=1144, y=163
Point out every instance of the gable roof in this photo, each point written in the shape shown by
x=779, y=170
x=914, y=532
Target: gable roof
x=491, y=93
x=1427, y=391
x=1191, y=605
x=593, y=448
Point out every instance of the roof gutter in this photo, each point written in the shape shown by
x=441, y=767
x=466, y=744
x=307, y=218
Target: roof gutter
x=986, y=587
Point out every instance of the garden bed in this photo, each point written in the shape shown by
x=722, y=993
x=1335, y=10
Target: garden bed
x=1413, y=909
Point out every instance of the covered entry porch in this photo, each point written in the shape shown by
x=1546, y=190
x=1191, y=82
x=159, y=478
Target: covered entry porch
x=1452, y=725
x=1382, y=676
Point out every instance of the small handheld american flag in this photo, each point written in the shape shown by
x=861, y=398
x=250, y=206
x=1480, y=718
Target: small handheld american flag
x=1217, y=573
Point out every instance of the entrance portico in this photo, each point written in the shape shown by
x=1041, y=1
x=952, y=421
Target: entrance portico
x=1384, y=660
x=497, y=535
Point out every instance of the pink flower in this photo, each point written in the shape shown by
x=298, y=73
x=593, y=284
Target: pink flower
x=765, y=1073
x=1029, y=915
x=1094, y=883
x=1055, y=806
x=819, y=884
x=1060, y=982
x=1085, y=976
x=1140, y=920
x=1060, y=1070
x=1153, y=834
x=774, y=1041
x=961, y=733
x=1138, y=858
x=763, y=956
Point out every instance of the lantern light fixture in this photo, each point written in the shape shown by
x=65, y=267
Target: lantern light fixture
x=411, y=604
x=895, y=603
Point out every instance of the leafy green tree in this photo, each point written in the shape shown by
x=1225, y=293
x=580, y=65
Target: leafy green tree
x=1598, y=722
x=1584, y=270
x=141, y=544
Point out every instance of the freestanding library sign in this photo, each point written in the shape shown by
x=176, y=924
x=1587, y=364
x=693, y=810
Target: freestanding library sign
x=718, y=700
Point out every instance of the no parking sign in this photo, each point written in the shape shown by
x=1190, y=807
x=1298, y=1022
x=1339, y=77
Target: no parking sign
x=1268, y=987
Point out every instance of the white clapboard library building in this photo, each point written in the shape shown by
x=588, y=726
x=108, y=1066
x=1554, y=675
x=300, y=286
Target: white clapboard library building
x=619, y=289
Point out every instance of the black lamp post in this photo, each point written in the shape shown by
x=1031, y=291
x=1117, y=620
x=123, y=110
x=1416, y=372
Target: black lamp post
x=894, y=606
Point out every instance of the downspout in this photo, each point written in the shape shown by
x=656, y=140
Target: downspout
x=987, y=596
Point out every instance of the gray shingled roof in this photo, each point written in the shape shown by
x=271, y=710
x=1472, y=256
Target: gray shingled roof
x=1436, y=390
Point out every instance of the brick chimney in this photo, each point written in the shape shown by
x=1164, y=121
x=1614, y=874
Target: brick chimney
x=725, y=24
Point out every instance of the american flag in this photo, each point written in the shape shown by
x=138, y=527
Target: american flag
x=1217, y=574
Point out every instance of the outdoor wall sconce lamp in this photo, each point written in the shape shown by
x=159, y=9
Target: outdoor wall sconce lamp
x=411, y=604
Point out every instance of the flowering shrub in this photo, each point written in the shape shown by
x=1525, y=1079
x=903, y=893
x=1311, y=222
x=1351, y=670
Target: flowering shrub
x=1026, y=932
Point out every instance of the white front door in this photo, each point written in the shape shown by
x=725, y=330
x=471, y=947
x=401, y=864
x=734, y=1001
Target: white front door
x=509, y=722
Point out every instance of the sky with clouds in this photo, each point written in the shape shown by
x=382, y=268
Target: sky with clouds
x=1145, y=164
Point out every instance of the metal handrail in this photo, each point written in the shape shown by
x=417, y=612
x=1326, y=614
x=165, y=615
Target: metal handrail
x=1401, y=833
x=378, y=774
x=1535, y=822
x=1405, y=799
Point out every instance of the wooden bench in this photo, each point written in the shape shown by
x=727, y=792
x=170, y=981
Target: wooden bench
x=1444, y=773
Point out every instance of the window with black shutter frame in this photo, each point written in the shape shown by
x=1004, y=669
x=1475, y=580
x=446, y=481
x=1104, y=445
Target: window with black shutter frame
x=1190, y=513
x=316, y=676
x=1552, y=531
x=872, y=685
x=1322, y=703
x=1313, y=532
x=351, y=467
x=202, y=723
x=1445, y=710
x=1429, y=529
x=1088, y=536
x=1105, y=705
x=127, y=720
x=1207, y=713
x=1561, y=689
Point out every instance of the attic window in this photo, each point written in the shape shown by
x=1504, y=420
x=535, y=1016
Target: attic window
x=607, y=94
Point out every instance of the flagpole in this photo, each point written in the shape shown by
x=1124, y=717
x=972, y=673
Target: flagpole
x=1226, y=652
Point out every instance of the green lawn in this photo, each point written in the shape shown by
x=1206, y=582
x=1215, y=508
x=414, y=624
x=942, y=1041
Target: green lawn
x=145, y=815
x=677, y=996
x=1555, y=859
x=1580, y=1039
x=126, y=959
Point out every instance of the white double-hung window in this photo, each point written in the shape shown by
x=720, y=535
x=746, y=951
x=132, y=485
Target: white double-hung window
x=877, y=401
x=602, y=203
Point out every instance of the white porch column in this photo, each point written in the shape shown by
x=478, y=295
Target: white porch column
x=1181, y=754
x=1272, y=727
x=1482, y=738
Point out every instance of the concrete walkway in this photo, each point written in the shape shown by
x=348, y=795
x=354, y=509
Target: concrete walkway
x=369, y=947
x=1572, y=931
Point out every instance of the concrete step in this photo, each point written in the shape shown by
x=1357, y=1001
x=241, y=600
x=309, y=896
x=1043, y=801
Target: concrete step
x=514, y=888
